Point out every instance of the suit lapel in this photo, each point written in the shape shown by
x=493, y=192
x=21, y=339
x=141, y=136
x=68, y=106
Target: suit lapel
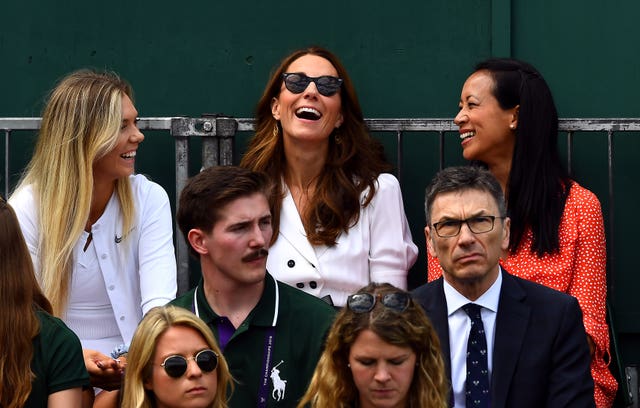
x=435, y=305
x=511, y=326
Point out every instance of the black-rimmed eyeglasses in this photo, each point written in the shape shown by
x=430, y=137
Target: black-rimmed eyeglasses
x=297, y=82
x=477, y=225
x=364, y=302
x=175, y=366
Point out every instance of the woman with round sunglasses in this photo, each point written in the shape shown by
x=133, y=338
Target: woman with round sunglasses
x=509, y=123
x=381, y=351
x=339, y=220
x=174, y=361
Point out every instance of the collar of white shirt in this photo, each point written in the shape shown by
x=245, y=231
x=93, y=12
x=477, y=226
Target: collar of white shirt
x=488, y=300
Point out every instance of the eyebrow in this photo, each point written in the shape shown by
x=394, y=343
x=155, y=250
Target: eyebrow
x=473, y=215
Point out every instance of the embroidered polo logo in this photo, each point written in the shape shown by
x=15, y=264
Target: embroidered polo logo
x=118, y=239
x=278, y=383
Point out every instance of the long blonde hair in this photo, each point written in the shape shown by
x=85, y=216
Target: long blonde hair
x=80, y=124
x=142, y=352
x=332, y=384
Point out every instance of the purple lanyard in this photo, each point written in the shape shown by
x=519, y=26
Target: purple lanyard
x=267, y=357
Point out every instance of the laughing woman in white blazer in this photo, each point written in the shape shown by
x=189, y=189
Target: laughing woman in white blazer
x=340, y=219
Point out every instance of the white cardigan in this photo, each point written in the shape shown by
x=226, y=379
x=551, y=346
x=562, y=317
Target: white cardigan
x=139, y=271
x=378, y=248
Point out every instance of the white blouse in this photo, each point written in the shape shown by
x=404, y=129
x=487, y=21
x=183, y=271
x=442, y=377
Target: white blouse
x=379, y=248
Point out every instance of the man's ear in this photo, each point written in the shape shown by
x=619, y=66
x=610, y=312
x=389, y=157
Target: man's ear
x=198, y=241
x=506, y=231
x=430, y=247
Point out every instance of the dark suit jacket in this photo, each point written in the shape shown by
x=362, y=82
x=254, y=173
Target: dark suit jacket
x=540, y=353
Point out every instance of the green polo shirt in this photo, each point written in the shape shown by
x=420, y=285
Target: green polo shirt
x=57, y=361
x=299, y=323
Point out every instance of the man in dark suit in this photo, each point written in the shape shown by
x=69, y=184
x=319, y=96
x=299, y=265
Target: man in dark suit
x=523, y=345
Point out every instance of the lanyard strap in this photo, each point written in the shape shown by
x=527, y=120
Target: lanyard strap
x=267, y=357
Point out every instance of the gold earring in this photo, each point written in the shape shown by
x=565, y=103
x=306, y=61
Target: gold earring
x=336, y=136
x=276, y=131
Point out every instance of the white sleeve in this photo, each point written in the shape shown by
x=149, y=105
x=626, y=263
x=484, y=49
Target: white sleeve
x=23, y=203
x=392, y=251
x=156, y=255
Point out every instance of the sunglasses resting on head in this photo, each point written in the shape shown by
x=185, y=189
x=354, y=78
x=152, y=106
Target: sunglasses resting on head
x=364, y=302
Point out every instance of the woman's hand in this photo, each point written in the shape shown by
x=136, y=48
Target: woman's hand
x=104, y=371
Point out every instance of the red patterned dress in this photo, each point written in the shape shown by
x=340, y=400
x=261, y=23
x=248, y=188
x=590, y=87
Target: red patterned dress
x=579, y=269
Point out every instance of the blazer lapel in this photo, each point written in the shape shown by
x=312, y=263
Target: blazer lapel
x=511, y=325
x=292, y=230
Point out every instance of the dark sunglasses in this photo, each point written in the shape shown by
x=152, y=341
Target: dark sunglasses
x=364, y=302
x=297, y=82
x=176, y=366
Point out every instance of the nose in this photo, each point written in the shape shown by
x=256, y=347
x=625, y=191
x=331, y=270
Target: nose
x=137, y=136
x=466, y=236
x=382, y=373
x=311, y=90
x=461, y=117
x=257, y=237
x=193, y=369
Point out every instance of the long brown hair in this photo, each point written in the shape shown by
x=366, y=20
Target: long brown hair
x=20, y=295
x=352, y=165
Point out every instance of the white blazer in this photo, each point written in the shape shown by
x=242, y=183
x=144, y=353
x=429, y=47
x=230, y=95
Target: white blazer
x=378, y=248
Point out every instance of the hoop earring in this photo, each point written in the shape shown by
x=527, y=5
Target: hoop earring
x=336, y=136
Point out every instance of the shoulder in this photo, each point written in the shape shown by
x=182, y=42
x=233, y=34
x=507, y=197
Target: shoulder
x=184, y=301
x=54, y=329
x=387, y=188
x=427, y=291
x=581, y=197
x=388, y=182
x=141, y=185
x=23, y=197
x=537, y=294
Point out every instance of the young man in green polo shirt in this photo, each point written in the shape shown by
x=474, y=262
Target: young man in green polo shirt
x=271, y=334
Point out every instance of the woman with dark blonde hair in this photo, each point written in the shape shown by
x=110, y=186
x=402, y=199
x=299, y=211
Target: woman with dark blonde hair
x=41, y=362
x=339, y=220
x=174, y=361
x=381, y=351
x=100, y=237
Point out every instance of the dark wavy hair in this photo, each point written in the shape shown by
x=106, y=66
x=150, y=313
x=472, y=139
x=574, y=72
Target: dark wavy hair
x=352, y=166
x=538, y=183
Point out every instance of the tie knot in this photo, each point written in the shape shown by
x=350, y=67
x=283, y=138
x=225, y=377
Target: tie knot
x=472, y=310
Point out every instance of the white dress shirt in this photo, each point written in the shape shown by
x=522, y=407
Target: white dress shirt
x=459, y=328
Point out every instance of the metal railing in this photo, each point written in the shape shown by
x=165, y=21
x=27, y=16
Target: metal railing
x=217, y=136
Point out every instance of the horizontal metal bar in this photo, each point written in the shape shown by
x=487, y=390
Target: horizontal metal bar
x=186, y=126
